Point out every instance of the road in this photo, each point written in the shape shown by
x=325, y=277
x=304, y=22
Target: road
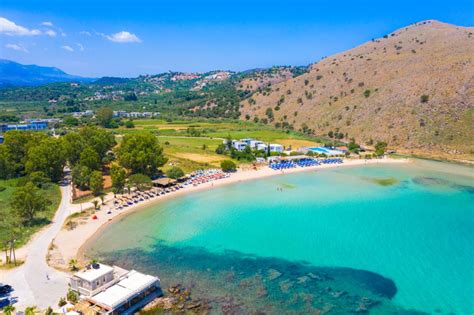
x=34, y=282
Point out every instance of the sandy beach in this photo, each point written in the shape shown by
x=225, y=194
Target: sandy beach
x=72, y=243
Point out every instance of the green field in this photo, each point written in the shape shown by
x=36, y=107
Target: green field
x=191, y=145
x=52, y=193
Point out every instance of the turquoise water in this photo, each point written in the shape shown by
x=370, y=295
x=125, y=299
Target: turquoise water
x=412, y=224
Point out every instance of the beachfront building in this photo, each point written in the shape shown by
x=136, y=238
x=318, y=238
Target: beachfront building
x=93, y=279
x=112, y=290
x=274, y=147
x=239, y=145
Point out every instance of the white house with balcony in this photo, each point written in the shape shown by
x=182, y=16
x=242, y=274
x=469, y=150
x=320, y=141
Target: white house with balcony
x=113, y=290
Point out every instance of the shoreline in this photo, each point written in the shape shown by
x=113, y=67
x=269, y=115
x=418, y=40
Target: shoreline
x=76, y=246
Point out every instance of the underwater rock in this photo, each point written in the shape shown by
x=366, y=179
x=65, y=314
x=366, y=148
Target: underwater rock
x=262, y=291
x=285, y=285
x=273, y=274
x=193, y=305
x=302, y=279
x=338, y=294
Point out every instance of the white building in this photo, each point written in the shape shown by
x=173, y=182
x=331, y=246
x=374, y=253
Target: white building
x=239, y=145
x=91, y=280
x=274, y=147
x=114, y=290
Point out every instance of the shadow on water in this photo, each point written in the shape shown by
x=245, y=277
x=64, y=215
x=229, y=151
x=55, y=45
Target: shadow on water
x=262, y=284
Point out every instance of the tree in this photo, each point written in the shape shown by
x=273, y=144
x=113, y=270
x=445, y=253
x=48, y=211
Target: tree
x=71, y=121
x=141, y=153
x=118, y=175
x=221, y=148
x=81, y=176
x=228, y=166
x=175, y=172
x=132, y=97
x=30, y=310
x=62, y=302
x=129, y=124
x=10, y=225
x=73, y=265
x=72, y=296
x=7, y=167
x=95, y=202
x=9, y=310
x=104, y=116
x=96, y=183
x=142, y=182
x=99, y=139
x=73, y=144
x=27, y=201
x=380, y=148
x=18, y=144
x=90, y=159
x=48, y=157
x=39, y=179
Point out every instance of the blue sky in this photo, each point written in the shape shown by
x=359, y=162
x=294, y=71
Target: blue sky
x=128, y=38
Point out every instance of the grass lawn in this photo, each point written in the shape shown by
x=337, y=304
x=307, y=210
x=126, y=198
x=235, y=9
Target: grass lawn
x=52, y=193
x=191, y=154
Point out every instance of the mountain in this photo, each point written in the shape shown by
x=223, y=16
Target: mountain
x=413, y=88
x=16, y=74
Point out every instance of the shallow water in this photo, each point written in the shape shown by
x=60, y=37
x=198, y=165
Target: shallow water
x=389, y=238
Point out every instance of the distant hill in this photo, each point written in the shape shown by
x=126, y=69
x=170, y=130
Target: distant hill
x=111, y=80
x=16, y=74
x=413, y=88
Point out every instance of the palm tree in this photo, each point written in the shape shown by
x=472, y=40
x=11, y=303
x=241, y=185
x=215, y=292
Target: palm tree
x=73, y=265
x=30, y=310
x=8, y=310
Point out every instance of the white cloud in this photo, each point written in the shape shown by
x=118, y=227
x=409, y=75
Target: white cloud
x=47, y=23
x=68, y=48
x=123, y=37
x=50, y=33
x=85, y=33
x=81, y=47
x=16, y=47
x=63, y=34
x=9, y=28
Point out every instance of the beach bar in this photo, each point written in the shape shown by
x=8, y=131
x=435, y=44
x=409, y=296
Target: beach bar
x=112, y=290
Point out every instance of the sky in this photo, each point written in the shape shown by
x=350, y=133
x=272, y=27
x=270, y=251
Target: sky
x=130, y=38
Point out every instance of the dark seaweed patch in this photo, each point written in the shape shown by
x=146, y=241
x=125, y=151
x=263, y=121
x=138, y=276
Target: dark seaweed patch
x=267, y=284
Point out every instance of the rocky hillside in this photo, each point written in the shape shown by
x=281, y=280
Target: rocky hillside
x=413, y=88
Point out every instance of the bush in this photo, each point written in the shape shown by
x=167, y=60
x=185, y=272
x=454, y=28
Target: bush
x=175, y=172
x=228, y=166
x=424, y=98
x=72, y=296
x=2, y=188
x=129, y=124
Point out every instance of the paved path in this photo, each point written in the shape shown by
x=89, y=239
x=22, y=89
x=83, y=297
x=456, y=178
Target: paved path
x=35, y=283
